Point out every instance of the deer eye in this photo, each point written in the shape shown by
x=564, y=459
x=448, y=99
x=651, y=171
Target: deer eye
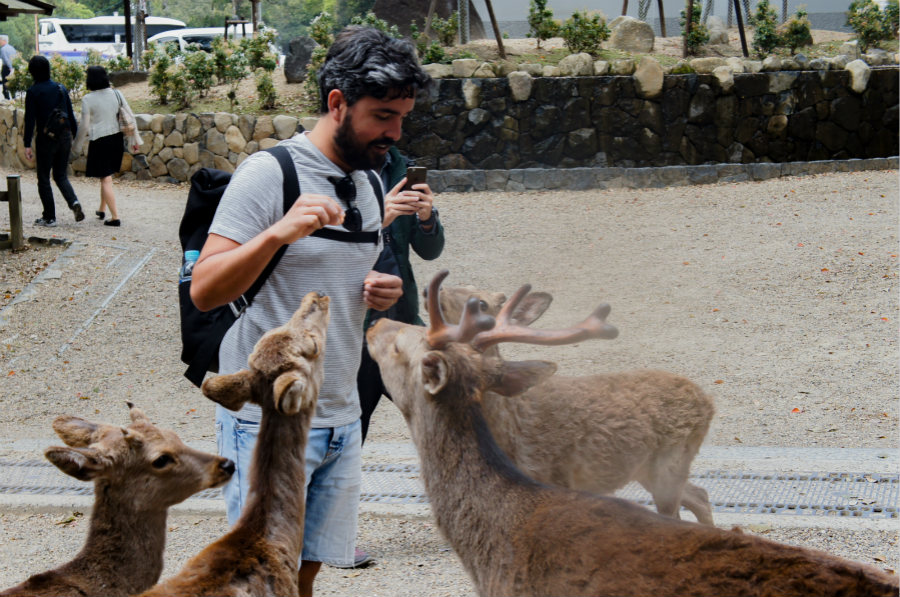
x=163, y=461
x=483, y=305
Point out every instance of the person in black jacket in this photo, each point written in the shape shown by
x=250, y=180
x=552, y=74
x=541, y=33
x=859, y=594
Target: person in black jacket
x=53, y=147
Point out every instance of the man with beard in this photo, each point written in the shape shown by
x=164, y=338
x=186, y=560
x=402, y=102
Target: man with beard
x=367, y=86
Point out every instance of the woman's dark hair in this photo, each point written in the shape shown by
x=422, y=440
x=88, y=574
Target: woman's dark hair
x=39, y=67
x=364, y=61
x=96, y=78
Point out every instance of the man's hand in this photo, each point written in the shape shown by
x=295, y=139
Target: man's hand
x=399, y=202
x=381, y=291
x=29, y=154
x=309, y=213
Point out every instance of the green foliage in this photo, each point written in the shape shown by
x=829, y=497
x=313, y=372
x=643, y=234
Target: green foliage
x=70, y=74
x=795, y=32
x=583, y=32
x=200, y=71
x=540, y=21
x=447, y=29
x=765, y=35
x=892, y=16
x=257, y=51
x=321, y=29
x=160, y=86
x=870, y=24
x=348, y=9
x=699, y=33
x=266, y=89
x=20, y=79
x=435, y=54
x=181, y=91
x=370, y=20
x=118, y=63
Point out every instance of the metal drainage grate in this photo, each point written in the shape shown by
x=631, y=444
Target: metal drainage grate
x=863, y=495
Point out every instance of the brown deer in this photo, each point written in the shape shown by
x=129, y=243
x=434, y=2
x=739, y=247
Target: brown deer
x=259, y=556
x=138, y=472
x=516, y=536
x=643, y=426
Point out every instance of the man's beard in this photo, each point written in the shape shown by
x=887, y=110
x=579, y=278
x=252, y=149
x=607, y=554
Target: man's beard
x=353, y=152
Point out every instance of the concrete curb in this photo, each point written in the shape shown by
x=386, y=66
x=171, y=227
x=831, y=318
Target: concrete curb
x=577, y=179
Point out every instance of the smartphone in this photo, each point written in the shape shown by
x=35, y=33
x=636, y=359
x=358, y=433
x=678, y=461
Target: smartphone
x=415, y=175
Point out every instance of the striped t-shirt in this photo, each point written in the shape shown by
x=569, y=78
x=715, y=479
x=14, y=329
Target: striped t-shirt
x=252, y=203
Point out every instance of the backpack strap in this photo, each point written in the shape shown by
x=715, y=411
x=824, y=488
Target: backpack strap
x=290, y=190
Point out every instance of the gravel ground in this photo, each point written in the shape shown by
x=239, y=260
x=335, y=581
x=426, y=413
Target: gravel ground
x=779, y=297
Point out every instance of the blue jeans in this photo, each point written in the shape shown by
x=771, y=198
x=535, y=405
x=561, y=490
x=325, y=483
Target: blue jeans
x=333, y=480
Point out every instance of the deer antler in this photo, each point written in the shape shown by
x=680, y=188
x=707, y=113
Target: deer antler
x=594, y=326
x=472, y=321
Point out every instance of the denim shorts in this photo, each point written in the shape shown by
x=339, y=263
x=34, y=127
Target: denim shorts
x=333, y=478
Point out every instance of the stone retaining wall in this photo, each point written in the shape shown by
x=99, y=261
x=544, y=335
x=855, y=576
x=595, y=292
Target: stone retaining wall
x=489, y=124
x=597, y=121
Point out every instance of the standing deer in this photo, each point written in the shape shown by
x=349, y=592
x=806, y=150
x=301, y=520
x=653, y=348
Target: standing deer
x=516, y=536
x=138, y=472
x=645, y=426
x=259, y=555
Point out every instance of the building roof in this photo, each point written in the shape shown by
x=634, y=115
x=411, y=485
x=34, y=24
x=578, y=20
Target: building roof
x=13, y=8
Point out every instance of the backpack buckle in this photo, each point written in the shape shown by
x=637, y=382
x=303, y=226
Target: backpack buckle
x=238, y=306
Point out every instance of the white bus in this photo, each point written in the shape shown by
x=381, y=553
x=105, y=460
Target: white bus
x=73, y=38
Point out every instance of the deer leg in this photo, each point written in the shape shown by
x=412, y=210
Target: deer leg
x=696, y=500
x=666, y=481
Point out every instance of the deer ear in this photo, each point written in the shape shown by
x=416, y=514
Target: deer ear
x=231, y=391
x=515, y=377
x=137, y=415
x=435, y=372
x=74, y=431
x=531, y=307
x=82, y=463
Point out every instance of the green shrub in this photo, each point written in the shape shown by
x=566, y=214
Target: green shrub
x=583, y=32
x=119, y=63
x=540, y=21
x=20, y=79
x=150, y=55
x=435, y=54
x=321, y=31
x=370, y=20
x=765, y=35
x=200, y=71
x=70, y=74
x=892, y=16
x=257, y=51
x=870, y=24
x=93, y=58
x=795, y=32
x=160, y=85
x=181, y=91
x=266, y=89
x=447, y=29
x=699, y=33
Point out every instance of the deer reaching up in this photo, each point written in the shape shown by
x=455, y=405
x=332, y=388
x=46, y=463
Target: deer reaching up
x=516, y=536
x=259, y=555
x=138, y=472
x=613, y=428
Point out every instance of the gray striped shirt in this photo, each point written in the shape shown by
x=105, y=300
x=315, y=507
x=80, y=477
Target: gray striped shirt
x=253, y=202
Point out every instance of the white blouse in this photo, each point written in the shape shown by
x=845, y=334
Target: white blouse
x=99, y=116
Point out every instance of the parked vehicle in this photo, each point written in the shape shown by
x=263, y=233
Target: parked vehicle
x=202, y=36
x=74, y=38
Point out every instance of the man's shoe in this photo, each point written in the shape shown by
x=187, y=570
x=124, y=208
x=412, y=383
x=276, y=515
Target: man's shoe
x=79, y=213
x=45, y=223
x=360, y=560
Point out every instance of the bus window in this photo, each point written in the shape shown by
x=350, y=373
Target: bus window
x=90, y=33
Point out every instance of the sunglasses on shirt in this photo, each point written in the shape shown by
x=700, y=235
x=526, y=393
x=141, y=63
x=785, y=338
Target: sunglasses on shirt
x=346, y=191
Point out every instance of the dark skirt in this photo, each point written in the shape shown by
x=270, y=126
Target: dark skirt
x=105, y=156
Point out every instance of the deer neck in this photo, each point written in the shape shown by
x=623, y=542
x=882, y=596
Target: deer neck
x=466, y=476
x=124, y=548
x=277, y=497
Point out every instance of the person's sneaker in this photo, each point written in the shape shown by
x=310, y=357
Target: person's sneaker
x=360, y=560
x=45, y=223
x=79, y=213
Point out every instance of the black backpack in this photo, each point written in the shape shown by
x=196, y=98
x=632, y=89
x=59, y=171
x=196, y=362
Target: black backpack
x=58, y=120
x=202, y=331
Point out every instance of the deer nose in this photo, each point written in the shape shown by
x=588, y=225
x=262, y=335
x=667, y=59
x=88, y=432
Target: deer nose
x=227, y=467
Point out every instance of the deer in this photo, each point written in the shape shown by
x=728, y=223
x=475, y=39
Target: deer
x=260, y=555
x=644, y=425
x=138, y=472
x=517, y=536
